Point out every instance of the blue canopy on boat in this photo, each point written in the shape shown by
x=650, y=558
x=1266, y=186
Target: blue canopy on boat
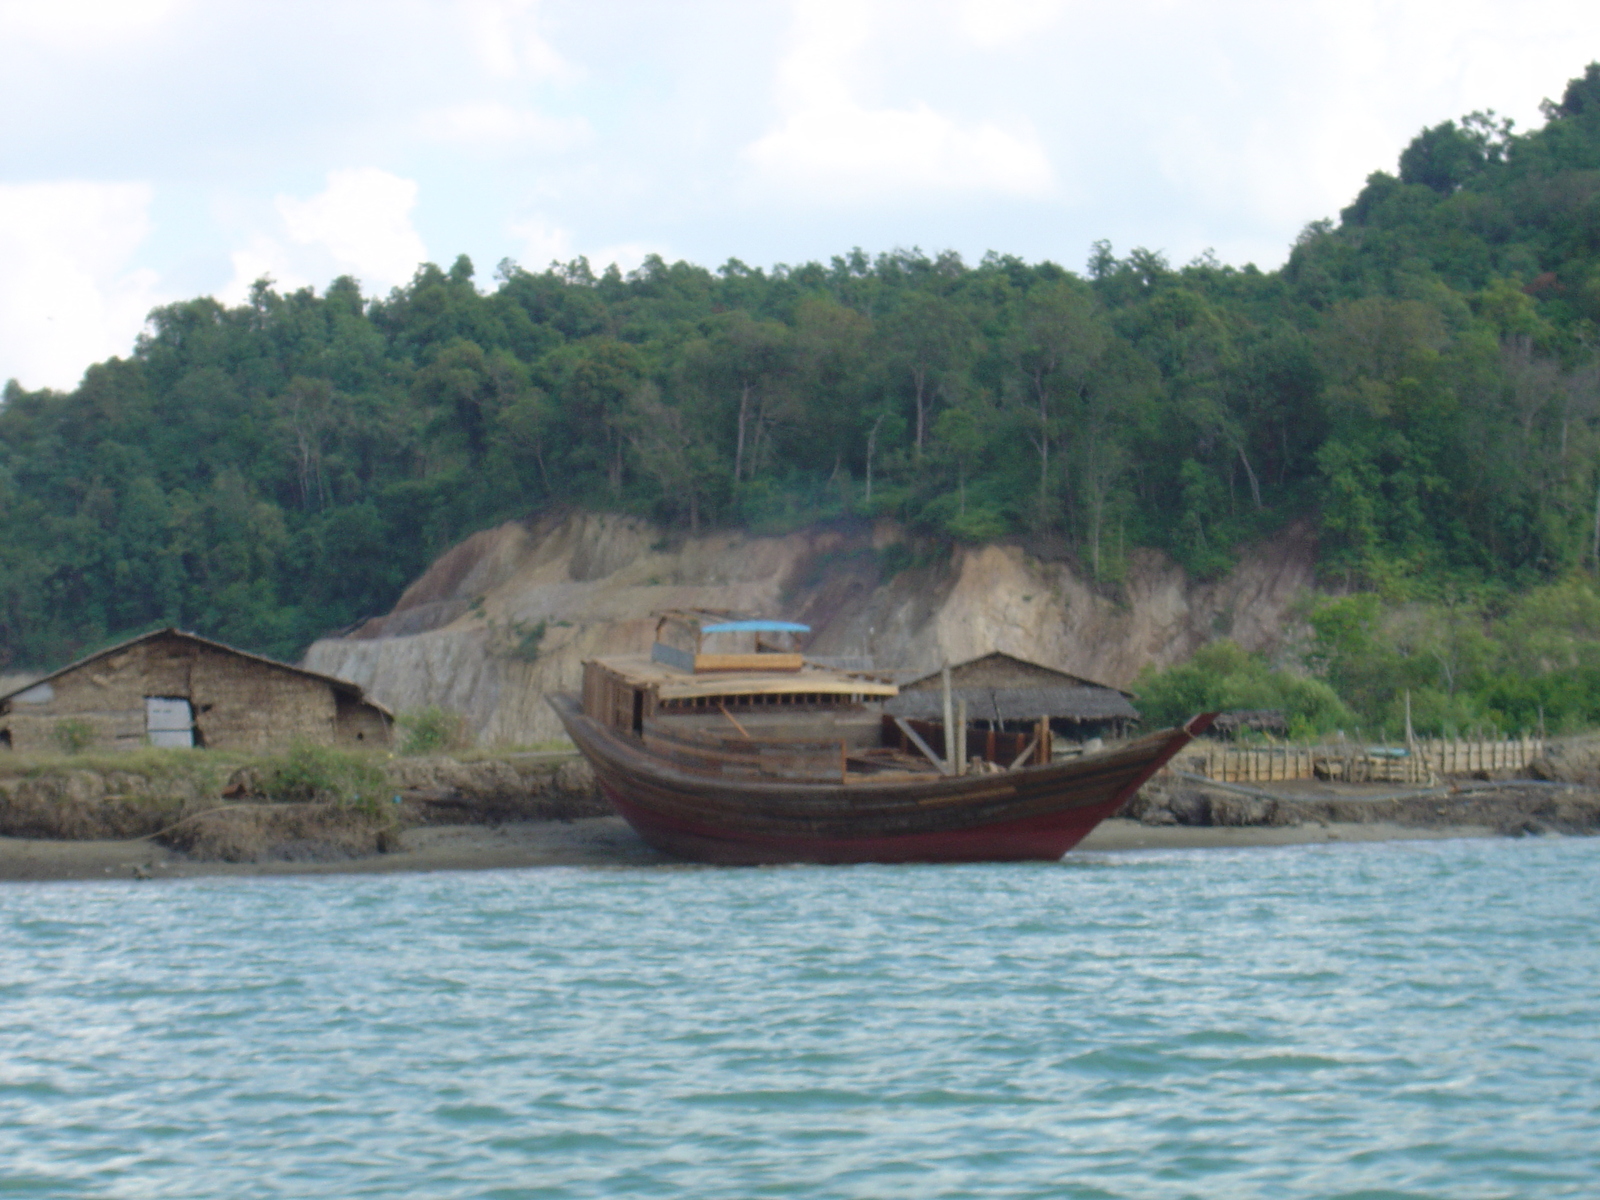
x=756, y=627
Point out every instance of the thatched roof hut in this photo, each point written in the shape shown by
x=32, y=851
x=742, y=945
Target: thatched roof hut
x=1010, y=691
x=170, y=688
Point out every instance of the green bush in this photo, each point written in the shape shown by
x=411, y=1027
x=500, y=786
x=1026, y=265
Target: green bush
x=323, y=774
x=74, y=735
x=1223, y=676
x=431, y=730
x=528, y=637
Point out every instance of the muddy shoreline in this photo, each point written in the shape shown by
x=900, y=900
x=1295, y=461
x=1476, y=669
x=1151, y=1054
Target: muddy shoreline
x=537, y=811
x=598, y=842
x=1506, y=807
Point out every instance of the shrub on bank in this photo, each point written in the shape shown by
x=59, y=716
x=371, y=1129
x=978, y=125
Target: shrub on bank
x=74, y=735
x=1223, y=676
x=323, y=774
x=432, y=730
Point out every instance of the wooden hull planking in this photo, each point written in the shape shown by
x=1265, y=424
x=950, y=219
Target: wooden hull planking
x=1032, y=813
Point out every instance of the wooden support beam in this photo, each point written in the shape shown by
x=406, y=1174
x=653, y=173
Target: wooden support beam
x=1026, y=751
x=950, y=755
x=743, y=732
x=927, y=750
x=959, y=753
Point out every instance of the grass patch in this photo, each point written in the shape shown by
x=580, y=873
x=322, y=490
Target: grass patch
x=204, y=769
x=528, y=639
x=106, y=794
x=432, y=730
x=323, y=774
x=901, y=556
x=74, y=735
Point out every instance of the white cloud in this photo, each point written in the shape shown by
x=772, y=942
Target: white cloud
x=626, y=256
x=998, y=22
x=831, y=145
x=1269, y=142
x=262, y=258
x=363, y=221
x=78, y=19
x=498, y=125
x=67, y=294
x=543, y=243
x=508, y=40
x=360, y=225
x=847, y=152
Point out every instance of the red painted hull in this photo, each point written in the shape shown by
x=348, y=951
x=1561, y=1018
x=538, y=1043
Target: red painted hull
x=1033, y=813
x=1045, y=837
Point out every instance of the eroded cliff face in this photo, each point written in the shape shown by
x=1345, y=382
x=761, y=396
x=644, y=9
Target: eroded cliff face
x=464, y=635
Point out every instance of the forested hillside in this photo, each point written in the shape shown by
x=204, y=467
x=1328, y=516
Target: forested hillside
x=1420, y=379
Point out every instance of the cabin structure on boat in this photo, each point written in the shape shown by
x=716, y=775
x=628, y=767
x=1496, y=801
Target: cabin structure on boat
x=177, y=689
x=723, y=693
x=1004, y=693
x=734, y=695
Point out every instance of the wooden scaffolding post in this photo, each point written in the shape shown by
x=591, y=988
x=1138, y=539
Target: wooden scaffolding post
x=961, y=737
x=949, y=724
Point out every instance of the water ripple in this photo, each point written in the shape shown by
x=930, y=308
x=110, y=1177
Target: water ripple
x=1411, y=1020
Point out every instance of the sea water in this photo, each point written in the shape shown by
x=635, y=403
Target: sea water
x=1399, y=1020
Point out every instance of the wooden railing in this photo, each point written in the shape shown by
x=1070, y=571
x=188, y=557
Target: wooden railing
x=1421, y=763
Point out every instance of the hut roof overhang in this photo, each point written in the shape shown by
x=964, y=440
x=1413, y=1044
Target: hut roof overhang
x=1019, y=704
x=1031, y=691
x=342, y=686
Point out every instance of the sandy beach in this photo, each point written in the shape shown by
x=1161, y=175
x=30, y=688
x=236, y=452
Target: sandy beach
x=597, y=842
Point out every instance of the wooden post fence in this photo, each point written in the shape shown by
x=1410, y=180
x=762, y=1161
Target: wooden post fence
x=1421, y=763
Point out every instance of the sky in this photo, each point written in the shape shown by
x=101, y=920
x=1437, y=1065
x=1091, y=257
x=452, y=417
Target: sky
x=157, y=150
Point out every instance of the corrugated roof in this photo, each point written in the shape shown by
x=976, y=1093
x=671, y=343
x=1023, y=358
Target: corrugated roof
x=342, y=685
x=1018, y=704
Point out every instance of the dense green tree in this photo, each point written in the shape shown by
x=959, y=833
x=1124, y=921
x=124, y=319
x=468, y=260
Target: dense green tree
x=1419, y=382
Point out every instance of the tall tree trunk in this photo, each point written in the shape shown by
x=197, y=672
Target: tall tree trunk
x=758, y=440
x=1097, y=512
x=872, y=445
x=544, y=475
x=1594, y=551
x=920, y=378
x=1255, y=486
x=1043, y=444
x=738, y=452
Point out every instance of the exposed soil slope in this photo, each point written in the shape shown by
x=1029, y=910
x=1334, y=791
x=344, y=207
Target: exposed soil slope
x=466, y=634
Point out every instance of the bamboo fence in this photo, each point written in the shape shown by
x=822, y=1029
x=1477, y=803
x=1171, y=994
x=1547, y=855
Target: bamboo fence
x=1420, y=763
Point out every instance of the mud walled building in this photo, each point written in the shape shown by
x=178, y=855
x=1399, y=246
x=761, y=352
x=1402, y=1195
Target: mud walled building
x=171, y=688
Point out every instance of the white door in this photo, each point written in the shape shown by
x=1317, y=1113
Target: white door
x=168, y=721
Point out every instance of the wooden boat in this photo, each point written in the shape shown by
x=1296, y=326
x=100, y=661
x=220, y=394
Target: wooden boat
x=754, y=755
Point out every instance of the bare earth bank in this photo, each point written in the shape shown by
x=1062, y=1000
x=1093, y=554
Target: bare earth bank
x=597, y=842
